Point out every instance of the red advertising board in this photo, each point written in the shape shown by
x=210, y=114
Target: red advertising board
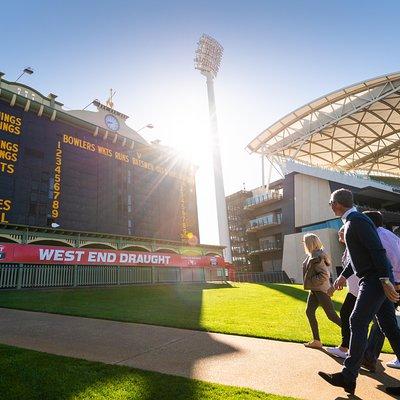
x=34, y=254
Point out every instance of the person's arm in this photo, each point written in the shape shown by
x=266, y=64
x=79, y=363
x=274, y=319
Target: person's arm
x=390, y=290
x=321, y=273
x=368, y=237
x=340, y=281
x=372, y=243
x=330, y=291
x=390, y=244
x=396, y=268
x=347, y=271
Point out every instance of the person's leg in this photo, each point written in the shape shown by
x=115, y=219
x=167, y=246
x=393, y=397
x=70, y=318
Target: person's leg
x=345, y=312
x=369, y=301
x=376, y=339
x=375, y=343
x=326, y=302
x=312, y=305
x=386, y=317
x=395, y=363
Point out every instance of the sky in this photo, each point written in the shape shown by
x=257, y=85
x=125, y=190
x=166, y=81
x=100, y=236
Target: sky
x=278, y=55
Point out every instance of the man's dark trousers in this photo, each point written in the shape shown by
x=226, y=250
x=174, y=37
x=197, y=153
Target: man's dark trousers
x=371, y=300
x=375, y=343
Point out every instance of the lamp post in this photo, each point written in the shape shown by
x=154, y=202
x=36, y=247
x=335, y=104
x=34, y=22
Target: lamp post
x=207, y=61
x=150, y=126
x=27, y=70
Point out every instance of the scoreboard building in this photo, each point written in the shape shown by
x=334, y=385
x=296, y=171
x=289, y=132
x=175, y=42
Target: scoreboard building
x=85, y=179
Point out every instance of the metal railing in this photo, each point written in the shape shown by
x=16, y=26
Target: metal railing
x=18, y=276
x=263, y=277
x=262, y=199
x=267, y=247
x=261, y=223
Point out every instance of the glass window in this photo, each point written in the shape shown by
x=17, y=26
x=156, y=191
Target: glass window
x=333, y=223
x=267, y=219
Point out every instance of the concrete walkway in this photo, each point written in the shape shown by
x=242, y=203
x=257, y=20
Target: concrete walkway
x=271, y=366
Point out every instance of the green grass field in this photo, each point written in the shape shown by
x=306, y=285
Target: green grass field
x=274, y=311
x=30, y=375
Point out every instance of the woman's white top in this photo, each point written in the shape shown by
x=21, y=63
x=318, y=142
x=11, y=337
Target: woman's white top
x=353, y=282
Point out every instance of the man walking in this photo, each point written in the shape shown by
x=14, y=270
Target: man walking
x=376, y=294
x=391, y=243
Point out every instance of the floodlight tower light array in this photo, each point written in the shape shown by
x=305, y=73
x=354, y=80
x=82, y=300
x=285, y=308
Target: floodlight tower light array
x=208, y=55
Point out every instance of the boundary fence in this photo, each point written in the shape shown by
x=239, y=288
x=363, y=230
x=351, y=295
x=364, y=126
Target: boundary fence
x=263, y=277
x=18, y=276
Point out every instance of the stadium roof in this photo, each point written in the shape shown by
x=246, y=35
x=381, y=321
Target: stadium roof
x=356, y=128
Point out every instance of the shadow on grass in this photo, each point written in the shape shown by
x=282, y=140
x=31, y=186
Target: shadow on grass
x=295, y=292
x=177, y=305
x=31, y=375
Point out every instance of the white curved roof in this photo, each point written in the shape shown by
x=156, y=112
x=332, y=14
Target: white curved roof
x=354, y=128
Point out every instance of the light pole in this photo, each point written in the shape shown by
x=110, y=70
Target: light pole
x=150, y=126
x=207, y=61
x=27, y=70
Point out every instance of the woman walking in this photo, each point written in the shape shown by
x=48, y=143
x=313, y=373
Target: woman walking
x=348, y=305
x=316, y=274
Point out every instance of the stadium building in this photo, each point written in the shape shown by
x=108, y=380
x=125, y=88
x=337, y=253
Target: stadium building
x=73, y=180
x=349, y=138
x=237, y=221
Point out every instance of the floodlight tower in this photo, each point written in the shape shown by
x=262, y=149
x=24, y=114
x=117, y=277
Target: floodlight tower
x=207, y=61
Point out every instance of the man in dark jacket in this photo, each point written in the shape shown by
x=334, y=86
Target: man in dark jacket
x=376, y=295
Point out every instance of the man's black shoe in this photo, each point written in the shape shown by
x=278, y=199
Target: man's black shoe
x=339, y=380
x=393, y=390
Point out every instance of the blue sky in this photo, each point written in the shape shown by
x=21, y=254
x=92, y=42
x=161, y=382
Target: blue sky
x=278, y=56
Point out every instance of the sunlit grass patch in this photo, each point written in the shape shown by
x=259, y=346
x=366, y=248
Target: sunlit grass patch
x=274, y=311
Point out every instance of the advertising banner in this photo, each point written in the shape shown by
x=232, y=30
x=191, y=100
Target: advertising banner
x=36, y=254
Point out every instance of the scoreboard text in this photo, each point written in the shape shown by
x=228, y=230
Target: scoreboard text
x=55, y=172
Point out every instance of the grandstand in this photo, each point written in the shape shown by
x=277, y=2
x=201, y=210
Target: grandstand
x=348, y=138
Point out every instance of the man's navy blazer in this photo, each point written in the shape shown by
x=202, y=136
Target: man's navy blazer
x=365, y=247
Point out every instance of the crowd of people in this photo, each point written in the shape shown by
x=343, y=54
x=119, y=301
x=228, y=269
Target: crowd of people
x=371, y=272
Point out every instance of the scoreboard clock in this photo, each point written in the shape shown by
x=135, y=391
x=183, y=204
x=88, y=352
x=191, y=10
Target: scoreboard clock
x=111, y=122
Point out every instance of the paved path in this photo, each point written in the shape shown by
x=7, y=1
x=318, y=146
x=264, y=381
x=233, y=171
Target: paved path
x=271, y=366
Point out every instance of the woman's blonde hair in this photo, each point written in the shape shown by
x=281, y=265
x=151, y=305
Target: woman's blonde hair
x=311, y=243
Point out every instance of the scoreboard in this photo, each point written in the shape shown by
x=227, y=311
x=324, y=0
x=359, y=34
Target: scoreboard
x=56, y=172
